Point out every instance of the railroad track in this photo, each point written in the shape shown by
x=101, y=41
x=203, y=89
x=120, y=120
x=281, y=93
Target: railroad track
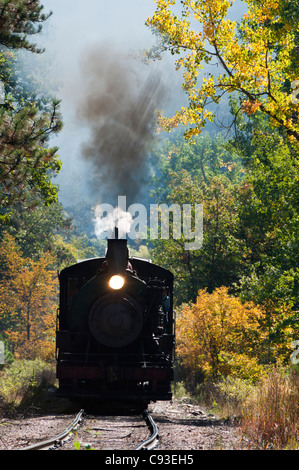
x=153, y=440
x=56, y=441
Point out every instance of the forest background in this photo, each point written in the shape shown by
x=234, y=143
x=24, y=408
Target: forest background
x=232, y=147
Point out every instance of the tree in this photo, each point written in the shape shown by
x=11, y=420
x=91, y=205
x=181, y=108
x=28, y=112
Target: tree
x=28, y=299
x=26, y=162
x=27, y=79
x=268, y=224
x=255, y=55
x=37, y=229
x=207, y=157
x=207, y=173
x=220, y=259
x=20, y=19
x=219, y=335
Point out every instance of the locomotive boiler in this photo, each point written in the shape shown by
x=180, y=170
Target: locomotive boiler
x=115, y=329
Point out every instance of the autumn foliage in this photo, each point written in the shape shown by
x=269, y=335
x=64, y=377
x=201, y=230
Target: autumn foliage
x=219, y=334
x=256, y=57
x=28, y=300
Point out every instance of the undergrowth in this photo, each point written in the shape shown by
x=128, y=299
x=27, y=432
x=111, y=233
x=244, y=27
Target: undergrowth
x=266, y=412
x=22, y=382
x=271, y=412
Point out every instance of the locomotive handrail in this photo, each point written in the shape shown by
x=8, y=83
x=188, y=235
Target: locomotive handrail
x=76, y=356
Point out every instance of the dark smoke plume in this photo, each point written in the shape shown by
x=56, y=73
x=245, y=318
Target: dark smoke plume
x=118, y=107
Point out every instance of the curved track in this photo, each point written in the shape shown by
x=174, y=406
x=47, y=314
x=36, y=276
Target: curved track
x=56, y=441
x=153, y=440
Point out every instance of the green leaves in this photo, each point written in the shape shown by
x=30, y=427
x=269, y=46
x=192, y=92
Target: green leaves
x=202, y=173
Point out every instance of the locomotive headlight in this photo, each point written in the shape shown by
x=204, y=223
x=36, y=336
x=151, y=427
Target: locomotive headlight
x=116, y=282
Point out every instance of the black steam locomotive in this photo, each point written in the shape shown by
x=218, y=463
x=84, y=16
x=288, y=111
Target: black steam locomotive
x=115, y=338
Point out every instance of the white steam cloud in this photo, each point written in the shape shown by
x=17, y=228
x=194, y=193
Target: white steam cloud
x=105, y=222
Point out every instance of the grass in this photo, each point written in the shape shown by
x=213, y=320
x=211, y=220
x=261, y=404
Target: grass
x=267, y=412
x=271, y=412
x=22, y=382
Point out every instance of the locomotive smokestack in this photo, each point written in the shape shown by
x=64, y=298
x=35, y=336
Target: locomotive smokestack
x=117, y=256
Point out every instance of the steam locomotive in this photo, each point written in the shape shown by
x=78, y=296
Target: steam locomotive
x=115, y=329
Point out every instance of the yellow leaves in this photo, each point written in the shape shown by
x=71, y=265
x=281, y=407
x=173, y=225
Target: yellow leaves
x=256, y=60
x=209, y=30
x=216, y=327
x=27, y=300
x=216, y=10
x=262, y=11
x=250, y=107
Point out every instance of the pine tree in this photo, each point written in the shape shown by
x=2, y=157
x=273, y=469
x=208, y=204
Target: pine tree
x=18, y=20
x=26, y=162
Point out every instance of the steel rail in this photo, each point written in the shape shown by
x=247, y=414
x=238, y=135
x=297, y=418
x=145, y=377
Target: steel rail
x=60, y=437
x=153, y=440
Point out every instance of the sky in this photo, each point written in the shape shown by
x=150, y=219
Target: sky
x=76, y=27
